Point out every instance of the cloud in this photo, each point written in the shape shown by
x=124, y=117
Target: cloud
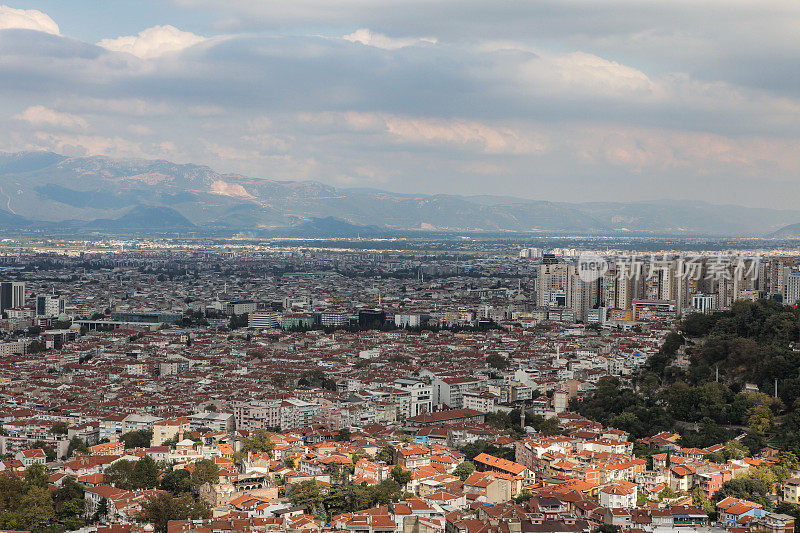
x=138, y=107
x=578, y=117
x=379, y=40
x=576, y=72
x=113, y=146
x=453, y=133
x=153, y=42
x=26, y=19
x=41, y=116
x=648, y=149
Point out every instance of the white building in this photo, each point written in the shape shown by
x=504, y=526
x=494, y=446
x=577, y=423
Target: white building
x=449, y=391
x=296, y=413
x=419, y=396
x=217, y=422
x=49, y=305
x=254, y=415
x=703, y=303
x=480, y=401
x=264, y=320
x=791, y=286
x=618, y=495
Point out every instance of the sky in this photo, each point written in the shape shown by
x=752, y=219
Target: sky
x=561, y=100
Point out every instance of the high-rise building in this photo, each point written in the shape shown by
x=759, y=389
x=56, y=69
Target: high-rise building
x=582, y=295
x=49, y=305
x=703, y=303
x=777, y=267
x=530, y=253
x=659, y=283
x=791, y=285
x=12, y=294
x=552, y=285
x=618, y=286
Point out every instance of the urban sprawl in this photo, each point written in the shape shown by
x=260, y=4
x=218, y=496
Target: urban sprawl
x=301, y=390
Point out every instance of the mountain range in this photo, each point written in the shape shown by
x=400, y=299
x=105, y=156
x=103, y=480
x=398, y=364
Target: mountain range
x=44, y=190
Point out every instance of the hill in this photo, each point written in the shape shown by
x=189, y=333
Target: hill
x=792, y=231
x=45, y=188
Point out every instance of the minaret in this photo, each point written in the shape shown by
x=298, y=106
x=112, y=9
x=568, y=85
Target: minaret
x=522, y=417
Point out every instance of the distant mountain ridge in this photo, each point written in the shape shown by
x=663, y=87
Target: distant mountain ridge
x=792, y=231
x=105, y=194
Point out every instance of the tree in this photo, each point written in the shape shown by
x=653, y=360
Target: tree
x=77, y=446
x=119, y=474
x=205, y=471
x=102, y=510
x=163, y=507
x=523, y=496
x=36, y=346
x=137, y=439
x=700, y=500
x=36, y=508
x=279, y=380
x=755, y=486
x=734, y=449
x=401, y=476
x=464, y=469
x=48, y=450
x=305, y=494
x=316, y=379
x=59, y=428
x=344, y=435
x=497, y=361
x=36, y=476
x=386, y=454
x=144, y=474
x=760, y=419
x=258, y=442
x=177, y=481
x=69, y=504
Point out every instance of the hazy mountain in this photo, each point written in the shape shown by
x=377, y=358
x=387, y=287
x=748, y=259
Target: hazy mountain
x=143, y=218
x=159, y=195
x=792, y=231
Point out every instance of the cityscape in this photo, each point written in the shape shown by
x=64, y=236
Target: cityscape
x=399, y=266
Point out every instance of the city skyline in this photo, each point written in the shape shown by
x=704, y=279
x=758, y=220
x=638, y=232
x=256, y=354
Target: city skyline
x=562, y=101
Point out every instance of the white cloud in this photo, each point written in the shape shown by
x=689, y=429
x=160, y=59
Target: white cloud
x=640, y=149
x=41, y=116
x=153, y=42
x=115, y=106
x=379, y=40
x=454, y=133
x=26, y=19
x=111, y=146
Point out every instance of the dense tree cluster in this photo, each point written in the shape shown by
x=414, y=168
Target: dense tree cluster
x=342, y=497
x=752, y=343
x=473, y=449
x=623, y=408
x=26, y=503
